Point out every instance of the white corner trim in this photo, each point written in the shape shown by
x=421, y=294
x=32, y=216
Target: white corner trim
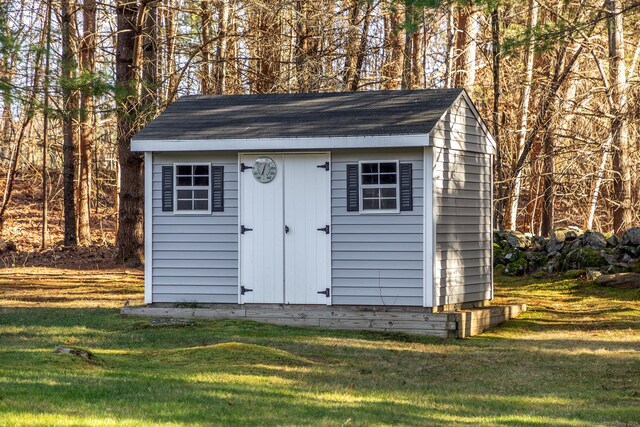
x=329, y=255
x=263, y=144
x=240, y=194
x=148, y=227
x=491, y=157
x=428, y=232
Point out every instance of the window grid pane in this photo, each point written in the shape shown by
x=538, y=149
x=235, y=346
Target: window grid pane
x=379, y=185
x=192, y=187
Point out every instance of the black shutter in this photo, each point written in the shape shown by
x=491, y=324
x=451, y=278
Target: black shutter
x=217, y=188
x=406, y=187
x=167, y=189
x=353, y=204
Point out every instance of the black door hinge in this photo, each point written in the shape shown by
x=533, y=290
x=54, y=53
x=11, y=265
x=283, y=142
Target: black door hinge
x=326, y=292
x=244, y=290
x=244, y=167
x=326, y=229
x=243, y=229
x=325, y=166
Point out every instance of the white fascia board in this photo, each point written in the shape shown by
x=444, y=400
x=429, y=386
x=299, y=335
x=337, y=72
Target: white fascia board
x=262, y=144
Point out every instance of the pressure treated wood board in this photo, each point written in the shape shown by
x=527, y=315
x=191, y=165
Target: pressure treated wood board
x=412, y=320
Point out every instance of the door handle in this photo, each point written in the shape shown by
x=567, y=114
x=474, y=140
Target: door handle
x=326, y=229
x=286, y=229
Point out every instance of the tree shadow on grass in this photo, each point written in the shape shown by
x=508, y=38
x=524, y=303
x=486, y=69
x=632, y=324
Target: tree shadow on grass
x=238, y=372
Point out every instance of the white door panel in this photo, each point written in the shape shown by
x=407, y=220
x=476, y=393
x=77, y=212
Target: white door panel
x=262, y=248
x=289, y=267
x=306, y=209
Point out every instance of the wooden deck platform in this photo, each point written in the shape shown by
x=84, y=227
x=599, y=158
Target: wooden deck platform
x=413, y=320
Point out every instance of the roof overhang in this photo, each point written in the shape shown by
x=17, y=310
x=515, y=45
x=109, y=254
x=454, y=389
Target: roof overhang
x=307, y=143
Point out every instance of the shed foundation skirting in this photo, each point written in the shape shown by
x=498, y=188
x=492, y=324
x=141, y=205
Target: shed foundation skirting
x=413, y=320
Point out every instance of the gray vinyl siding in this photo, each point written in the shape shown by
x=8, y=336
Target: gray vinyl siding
x=462, y=208
x=377, y=259
x=195, y=256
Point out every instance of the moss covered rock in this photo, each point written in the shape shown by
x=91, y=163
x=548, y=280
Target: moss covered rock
x=573, y=274
x=537, y=260
x=516, y=268
x=513, y=239
x=582, y=258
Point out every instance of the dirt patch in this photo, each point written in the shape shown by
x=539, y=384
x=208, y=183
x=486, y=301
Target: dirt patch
x=82, y=354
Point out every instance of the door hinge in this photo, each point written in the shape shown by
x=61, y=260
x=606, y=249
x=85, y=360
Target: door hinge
x=326, y=292
x=325, y=166
x=326, y=229
x=244, y=167
x=244, y=290
x=244, y=229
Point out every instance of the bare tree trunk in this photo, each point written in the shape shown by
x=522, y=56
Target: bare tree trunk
x=393, y=52
x=466, y=46
x=548, y=184
x=205, y=48
x=87, y=130
x=622, y=215
x=407, y=56
x=130, y=236
x=596, y=187
x=45, y=132
x=308, y=65
x=351, y=44
x=302, y=46
x=524, y=105
x=268, y=30
x=451, y=45
x=417, y=69
x=70, y=113
x=362, y=47
x=7, y=74
x=220, y=73
x=472, y=30
x=495, y=56
x=149, y=94
x=170, y=59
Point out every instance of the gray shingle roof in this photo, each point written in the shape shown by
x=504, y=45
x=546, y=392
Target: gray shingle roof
x=300, y=115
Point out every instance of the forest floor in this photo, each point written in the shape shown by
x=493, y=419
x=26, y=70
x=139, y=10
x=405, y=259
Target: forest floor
x=573, y=359
x=23, y=226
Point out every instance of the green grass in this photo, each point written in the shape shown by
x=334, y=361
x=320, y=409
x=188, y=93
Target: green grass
x=572, y=360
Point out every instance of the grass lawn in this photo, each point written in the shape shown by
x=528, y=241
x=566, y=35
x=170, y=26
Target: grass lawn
x=573, y=359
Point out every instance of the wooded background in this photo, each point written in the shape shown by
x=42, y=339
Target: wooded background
x=556, y=81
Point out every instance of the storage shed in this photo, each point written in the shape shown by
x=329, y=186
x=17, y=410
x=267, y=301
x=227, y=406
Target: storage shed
x=343, y=199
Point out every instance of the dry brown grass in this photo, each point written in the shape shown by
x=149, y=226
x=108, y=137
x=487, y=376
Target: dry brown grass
x=66, y=288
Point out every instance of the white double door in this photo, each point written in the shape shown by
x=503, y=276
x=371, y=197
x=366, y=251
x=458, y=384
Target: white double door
x=284, y=245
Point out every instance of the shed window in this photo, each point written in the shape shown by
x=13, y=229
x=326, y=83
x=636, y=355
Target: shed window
x=379, y=186
x=192, y=189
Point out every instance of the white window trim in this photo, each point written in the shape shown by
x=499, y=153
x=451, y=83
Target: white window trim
x=396, y=186
x=182, y=187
